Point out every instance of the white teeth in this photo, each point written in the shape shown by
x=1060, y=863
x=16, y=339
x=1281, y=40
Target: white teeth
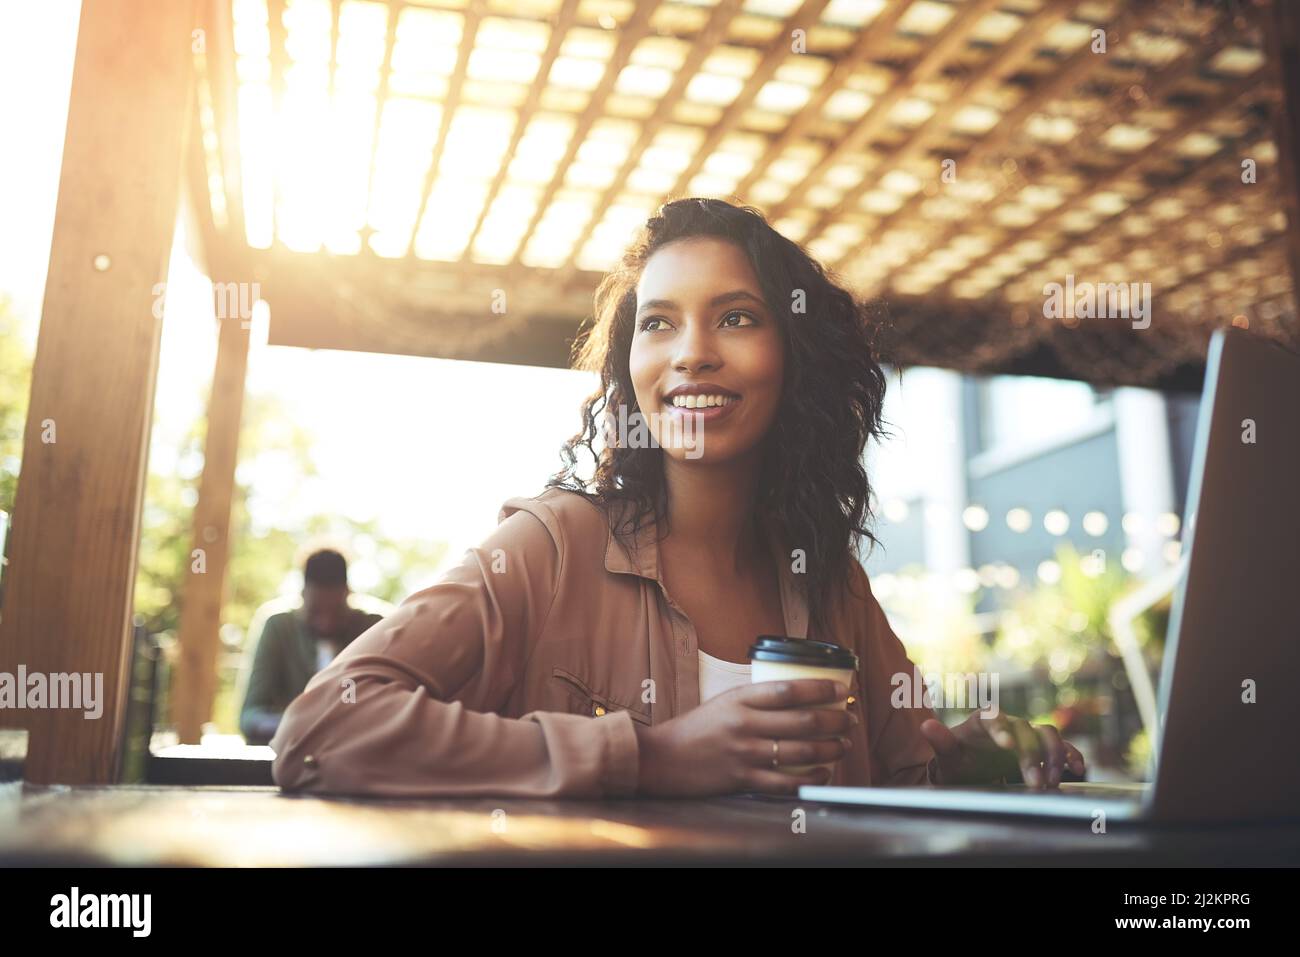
x=701, y=401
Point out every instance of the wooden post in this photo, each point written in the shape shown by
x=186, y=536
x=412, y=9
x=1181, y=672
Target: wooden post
x=1282, y=41
x=195, y=685
x=195, y=677
x=68, y=600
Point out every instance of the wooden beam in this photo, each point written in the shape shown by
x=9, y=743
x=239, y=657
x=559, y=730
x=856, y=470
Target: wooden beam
x=201, y=596
x=220, y=56
x=980, y=338
x=195, y=179
x=713, y=34
x=473, y=17
x=1000, y=64
x=871, y=43
x=1227, y=99
x=381, y=99
x=68, y=601
x=195, y=684
x=1072, y=73
x=441, y=310
x=1170, y=248
x=542, y=342
x=1264, y=249
x=629, y=35
x=568, y=13
x=776, y=52
x=336, y=7
x=805, y=18
x=944, y=47
x=1165, y=82
x=1162, y=83
x=1193, y=260
x=279, y=64
x=361, y=313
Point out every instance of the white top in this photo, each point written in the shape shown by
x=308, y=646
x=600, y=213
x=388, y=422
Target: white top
x=717, y=676
x=324, y=653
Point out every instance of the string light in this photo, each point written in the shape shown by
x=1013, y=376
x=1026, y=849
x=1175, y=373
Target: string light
x=1049, y=572
x=975, y=517
x=1095, y=524
x=1167, y=524
x=896, y=510
x=1001, y=574
x=1056, y=522
x=1019, y=520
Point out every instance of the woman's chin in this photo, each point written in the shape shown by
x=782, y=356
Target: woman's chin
x=704, y=453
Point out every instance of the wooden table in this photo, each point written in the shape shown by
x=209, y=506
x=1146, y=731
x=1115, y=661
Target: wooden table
x=257, y=826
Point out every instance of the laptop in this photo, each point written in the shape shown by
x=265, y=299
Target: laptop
x=1234, y=626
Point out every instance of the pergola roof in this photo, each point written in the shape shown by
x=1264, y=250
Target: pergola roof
x=385, y=168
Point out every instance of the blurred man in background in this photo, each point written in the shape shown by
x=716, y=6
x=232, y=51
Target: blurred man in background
x=293, y=645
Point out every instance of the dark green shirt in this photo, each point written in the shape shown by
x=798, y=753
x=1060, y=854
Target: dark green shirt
x=285, y=659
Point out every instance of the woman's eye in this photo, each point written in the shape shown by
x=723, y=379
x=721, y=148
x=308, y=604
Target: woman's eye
x=646, y=323
x=748, y=319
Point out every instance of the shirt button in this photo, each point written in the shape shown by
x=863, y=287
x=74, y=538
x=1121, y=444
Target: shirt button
x=599, y=711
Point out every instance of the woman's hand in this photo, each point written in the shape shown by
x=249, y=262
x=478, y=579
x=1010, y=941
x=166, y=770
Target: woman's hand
x=988, y=748
x=725, y=745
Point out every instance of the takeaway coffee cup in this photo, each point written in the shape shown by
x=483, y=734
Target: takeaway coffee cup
x=778, y=658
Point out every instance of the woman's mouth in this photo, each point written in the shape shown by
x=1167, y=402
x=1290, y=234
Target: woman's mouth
x=704, y=407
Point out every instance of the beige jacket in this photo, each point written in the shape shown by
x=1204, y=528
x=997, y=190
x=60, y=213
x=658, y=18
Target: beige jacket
x=523, y=671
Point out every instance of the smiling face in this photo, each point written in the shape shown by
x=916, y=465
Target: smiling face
x=704, y=338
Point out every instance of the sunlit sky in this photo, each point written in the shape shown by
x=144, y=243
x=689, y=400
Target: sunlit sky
x=37, y=43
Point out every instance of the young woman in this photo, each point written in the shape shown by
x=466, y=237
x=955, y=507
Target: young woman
x=596, y=643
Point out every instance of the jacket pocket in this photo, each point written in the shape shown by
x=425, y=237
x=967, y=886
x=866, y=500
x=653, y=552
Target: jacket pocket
x=592, y=702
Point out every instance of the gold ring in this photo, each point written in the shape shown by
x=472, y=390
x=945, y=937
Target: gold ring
x=775, y=752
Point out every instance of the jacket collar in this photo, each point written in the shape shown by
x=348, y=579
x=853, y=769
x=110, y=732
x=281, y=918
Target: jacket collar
x=642, y=559
x=306, y=641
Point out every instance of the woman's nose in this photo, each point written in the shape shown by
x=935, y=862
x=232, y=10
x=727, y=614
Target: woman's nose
x=696, y=349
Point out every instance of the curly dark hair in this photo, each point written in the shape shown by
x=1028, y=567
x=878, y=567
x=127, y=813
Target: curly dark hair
x=812, y=480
